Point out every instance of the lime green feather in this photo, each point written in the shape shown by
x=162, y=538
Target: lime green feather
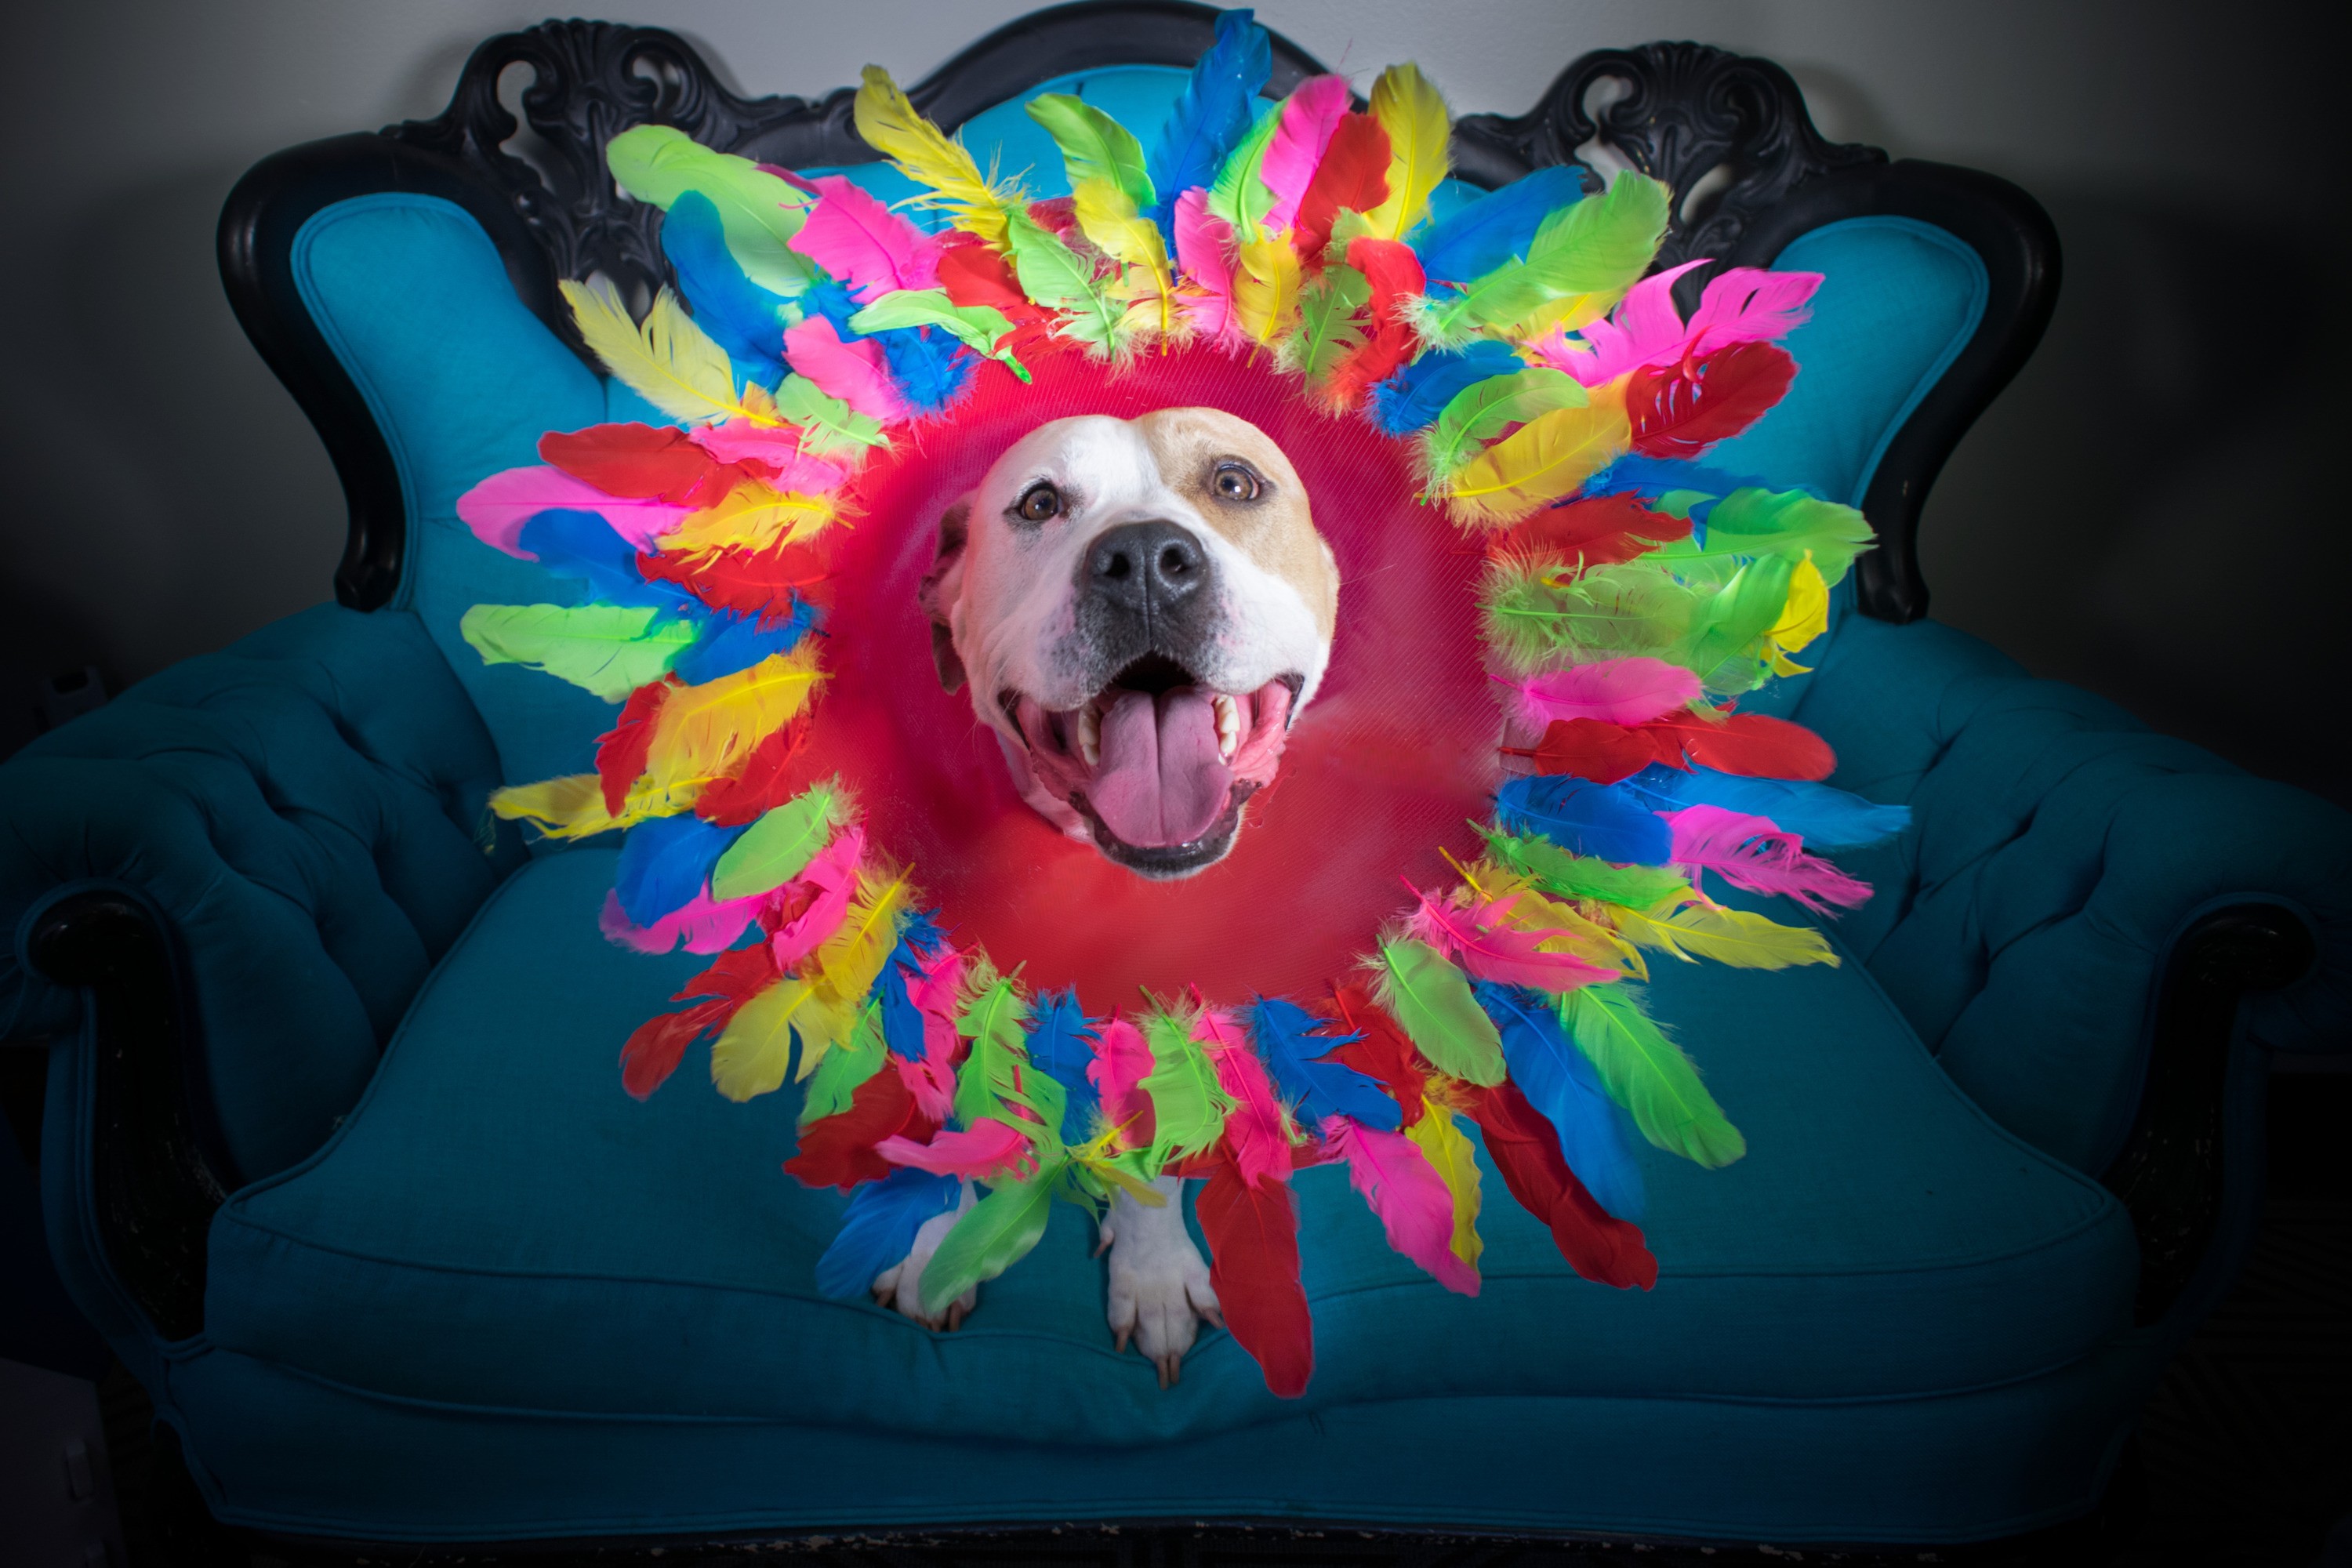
x=827, y=424
x=1647, y=1074
x=1599, y=246
x=1328, y=329
x=1188, y=1106
x=1791, y=524
x=1564, y=875
x=1057, y=278
x=609, y=649
x=1433, y=1000
x=1094, y=145
x=1533, y=614
x=757, y=213
x=1239, y=197
x=780, y=845
x=996, y=1234
x=978, y=328
x=850, y=1062
x=996, y=1080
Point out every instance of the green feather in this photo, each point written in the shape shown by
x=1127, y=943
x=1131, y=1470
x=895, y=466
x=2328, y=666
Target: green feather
x=1749, y=522
x=1720, y=646
x=1619, y=609
x=1187, y=1105
x=847, y=1064
x=1482, y=410
x=1598, y=246
x=1329, y=330
x=996, y=1080
x=996, y=1234
x=609, y=649
x=757, y=213
x=1565, y=875
x=978, y=327
x=1094, y=145
x=1649, y=1076
x=779, y=845
x=1057, y=278
x=1432, y=999
x=827, y=424
x=1239, y=197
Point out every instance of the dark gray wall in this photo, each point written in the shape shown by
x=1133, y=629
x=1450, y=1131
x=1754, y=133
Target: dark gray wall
x=2148, y=511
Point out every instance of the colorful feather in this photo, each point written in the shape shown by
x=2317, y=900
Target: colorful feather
x=703, y=732
x=1478, y=940
x=1252, y=1229
x=701, y=925
x=1205, y=247
x=1600, y=1248
x=980, y=327
x=1295, y=1046
x=742, y=318
x=1419, y=132
x=856, y=238
x=1189, y=1106
x=654, y=1047
x=753, y=1053
x=758, y=213
x=1310, y=117
x=984, y=1152
x=1738, y=938
x=855, y=373
x=1591, y=531
x=1644, y=329
x=1749, y=304
x=581, y=547
x=1432, y=999
x=1093, y=146
x=838, y=1151
x=1569, y=875
x=669, y=362
x=1265, y=289
x=1543, y=461
x=1753, y=852
x=1353, y=176
x=1415, y=395
x=1484, y=409
x=1449, y=1155
x=1239, y=194
x=1682, y=410
x=1614, y=691
x=1496, y=228
x=1648, y=1074
x=1823, y=816
x=997, y=1080
x=858, y=1055
x=1562, y=1084
x=1213, y=113
x=890, y=124
x=1116, y=227
x=998, y=1231
x=775, y=452
x=1329, y=329
x=498, y=508
x=648, y=462
x=1122, y=1061
x=1057, y=278
x=1410, y=1200
x=607, y=649
x=1603, y=821
x=877, y=1229
x=762, y=780
x=1378, y=1049
x=1061, y=1044
x=820, y=897
x=1394, y=275
x=850, y=959
x=1600, y=246
x=1258, y=1134
x=666, y=863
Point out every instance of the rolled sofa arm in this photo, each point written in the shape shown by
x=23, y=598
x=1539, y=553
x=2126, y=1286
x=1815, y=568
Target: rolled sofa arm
x=228, y=884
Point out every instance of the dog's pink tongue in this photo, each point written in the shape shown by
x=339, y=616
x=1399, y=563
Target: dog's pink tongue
x=1160, y=780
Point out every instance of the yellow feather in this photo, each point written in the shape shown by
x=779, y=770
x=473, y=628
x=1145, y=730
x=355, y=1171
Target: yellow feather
x=1456, y=1163
x=750, y=517
x=1420, y=134
x=851, y=959
x=1265, y=289
x=1568, y=313
x=1587, y=939
x=1735, y=937
x=670, y=362
x=704, y=730
x=1806, y=617
x=1547, y=459
x=1108, y=217
x=568, y=807
x=752, y=1053
x=890, y=124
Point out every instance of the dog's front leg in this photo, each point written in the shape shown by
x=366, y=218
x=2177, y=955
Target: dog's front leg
x=1159, y=1281
x=900, y=1286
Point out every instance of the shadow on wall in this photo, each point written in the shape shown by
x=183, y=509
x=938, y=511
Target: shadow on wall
x=2147, y=511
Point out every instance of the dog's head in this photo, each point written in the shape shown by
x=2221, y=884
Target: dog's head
x=1140, y=607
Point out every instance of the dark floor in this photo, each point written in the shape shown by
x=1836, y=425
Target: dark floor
x=2244, y=1460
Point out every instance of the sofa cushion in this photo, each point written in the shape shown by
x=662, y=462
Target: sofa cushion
x=499, y=1224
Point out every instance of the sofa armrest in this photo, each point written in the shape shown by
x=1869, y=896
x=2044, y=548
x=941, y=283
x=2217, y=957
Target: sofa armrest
x=301, y=818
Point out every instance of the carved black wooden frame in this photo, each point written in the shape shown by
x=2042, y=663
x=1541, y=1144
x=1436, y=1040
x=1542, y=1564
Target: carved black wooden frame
x=1697, y=118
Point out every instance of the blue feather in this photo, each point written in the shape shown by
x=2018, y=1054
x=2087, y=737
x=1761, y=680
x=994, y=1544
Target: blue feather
x=1606, y=821
x=931, y=368
x=1418, y=393
x=1483, y=235
x=1561, y=1083
x=664, y=863
x=739, y=315
x=1216, y=110
x=830, y=298
x=922, y=933
x=902, y=1023
x=1651, y=477
x=1286, y=1037
x=732, y=643
x=1825, y=817
x=879, y=1229
x=582, y=548
x=1061, y=1044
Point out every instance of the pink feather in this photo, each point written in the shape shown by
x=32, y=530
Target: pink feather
x=1254, y=1129
x=1309, y=116
x=984, y=1151
x=862, y=242
x=1479, y=941
x=855, y=373
x=1644, y=329
x=1632, y=691
x=1122, y=1061
x=704, y=926
x=1410, y=1200
x=834, y=874
x=936, y=990
x=497, y=508
x=1752, y=852
x=775, y=449
x=1203, y=253
x=1749, y=304
x=931, y=1084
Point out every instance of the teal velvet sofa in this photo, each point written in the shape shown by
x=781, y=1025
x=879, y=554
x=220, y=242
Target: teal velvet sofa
x=337, y=1157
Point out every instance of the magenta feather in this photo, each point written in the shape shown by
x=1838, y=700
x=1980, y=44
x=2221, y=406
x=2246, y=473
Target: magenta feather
x=1752, y=852
x=775, y=449
x=1122, y=1061
x=1749, y=304
x=1310, y=115
x=1479, y=941
x=702, y=925
x=833, y=876
x=1410, y=1200
x=1204, y=245
x=1254, y=1129
x=1644, y=329
x=497, y=508
x=863, y=243
x=936, y=989
x=1616, y=692
x=983, y=1152
x=855, y=373
x=931, y=1082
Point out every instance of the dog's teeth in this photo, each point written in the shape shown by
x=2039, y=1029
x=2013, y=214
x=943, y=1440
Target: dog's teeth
x=1089, y=735
x=1229, y=726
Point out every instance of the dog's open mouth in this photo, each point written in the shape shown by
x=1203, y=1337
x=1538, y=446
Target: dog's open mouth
x=1158, y=762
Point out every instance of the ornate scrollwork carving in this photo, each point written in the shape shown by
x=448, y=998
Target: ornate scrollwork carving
x=1685, y=111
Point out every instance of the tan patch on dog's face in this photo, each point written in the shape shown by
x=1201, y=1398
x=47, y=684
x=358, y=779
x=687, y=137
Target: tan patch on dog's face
x=1275, y=529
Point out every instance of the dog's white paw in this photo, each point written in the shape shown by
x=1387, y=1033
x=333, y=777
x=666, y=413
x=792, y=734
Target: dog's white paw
x=1158, y=1280
x=900, y=1287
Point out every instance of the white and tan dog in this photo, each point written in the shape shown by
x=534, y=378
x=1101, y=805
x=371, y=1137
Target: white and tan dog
x=1141, y=608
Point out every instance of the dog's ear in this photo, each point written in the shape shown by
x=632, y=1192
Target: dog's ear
x=941, y=585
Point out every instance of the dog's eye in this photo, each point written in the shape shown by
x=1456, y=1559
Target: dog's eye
x=1039, y=502
x=1234, y=482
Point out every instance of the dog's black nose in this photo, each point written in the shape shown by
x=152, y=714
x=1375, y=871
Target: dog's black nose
x=1150, y=568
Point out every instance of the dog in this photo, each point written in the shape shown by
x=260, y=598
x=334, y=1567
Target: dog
x=1140, y=609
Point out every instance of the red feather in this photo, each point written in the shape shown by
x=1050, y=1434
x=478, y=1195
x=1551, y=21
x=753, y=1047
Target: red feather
x=1253, y=1237
x=620, y=750
x=1601, y=532
x=1755, y=744
x=763, y=781
x=838, y=1151
x=1384, y=1053
x=746, y=582
x=1590, y=749
x=1525, y=1149
x=653, y=1050
x=1394, y=273
x=1680, y=410
x=1353, y=174
x=643, y=461
x=977, y=275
